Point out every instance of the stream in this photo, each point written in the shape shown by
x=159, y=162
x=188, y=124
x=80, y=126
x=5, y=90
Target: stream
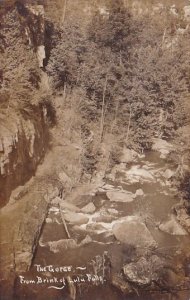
x=141, y=190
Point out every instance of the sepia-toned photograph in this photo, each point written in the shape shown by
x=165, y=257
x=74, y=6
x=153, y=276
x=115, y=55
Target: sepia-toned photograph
x=95, y=150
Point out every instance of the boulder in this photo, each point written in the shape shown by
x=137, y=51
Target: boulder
x=162, y=146
x=144, y=271
x=86, y=241
x=49, y=220
x=138, y=173
x=76, y=218
x=67, y=206
x=133, y=232
x=168, y=174
x=64, y=244
x=82, y=200
x=108, y=187
x=120, y=196
x=79, y=228
x=171, y=278
x=89, y=208
x=128, y=156
x=139, y=192
x=172, y=227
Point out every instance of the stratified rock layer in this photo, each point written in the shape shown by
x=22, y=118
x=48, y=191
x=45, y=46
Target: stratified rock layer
x=22, y=145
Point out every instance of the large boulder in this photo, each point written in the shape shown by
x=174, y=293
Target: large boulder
x=108, y=187
x=168, y=174
x=137, y=173
x=89, y=208
x=172, y=227
x=162, y=146
x=133, y=232
x=49, y=220
x=139, y=192
x=85, y=241
x=144, y=271
x=82, y=200
x=120, y=196
x=76, y=218
x=128, y=156
x=67, y=206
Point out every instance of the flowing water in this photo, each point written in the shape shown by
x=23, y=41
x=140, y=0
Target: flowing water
x=153, y=205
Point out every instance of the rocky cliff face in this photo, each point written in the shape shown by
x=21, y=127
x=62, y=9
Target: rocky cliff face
x=22, y=146
x=23, y=124
x=32, y=20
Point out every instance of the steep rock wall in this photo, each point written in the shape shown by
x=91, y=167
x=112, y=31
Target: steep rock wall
x=23, y=120
x=23, y=142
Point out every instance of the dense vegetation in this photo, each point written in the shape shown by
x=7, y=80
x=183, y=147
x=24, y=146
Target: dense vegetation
x=134, y=73
x=123, y=78
x=21, y=90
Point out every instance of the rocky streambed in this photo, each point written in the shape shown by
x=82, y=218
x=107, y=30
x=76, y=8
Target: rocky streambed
x=121, y=240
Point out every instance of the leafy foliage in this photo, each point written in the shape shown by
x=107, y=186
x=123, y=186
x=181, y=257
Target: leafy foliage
x=20, y=70
x=133, y=70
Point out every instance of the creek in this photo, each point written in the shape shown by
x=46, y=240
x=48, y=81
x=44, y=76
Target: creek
x=150, y=198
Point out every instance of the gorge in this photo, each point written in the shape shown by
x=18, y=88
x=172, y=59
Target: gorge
x=94, y=149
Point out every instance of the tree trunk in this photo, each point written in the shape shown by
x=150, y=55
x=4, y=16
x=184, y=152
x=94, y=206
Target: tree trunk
x=129, y=124
x=64, y=11
x=103, y=110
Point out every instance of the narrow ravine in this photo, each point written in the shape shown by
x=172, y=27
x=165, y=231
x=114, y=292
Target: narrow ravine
x=94, y=150
x=142, y=192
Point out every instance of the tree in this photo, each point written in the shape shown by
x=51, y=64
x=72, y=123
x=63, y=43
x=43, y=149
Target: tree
x=19, y=64
x=128, y=68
